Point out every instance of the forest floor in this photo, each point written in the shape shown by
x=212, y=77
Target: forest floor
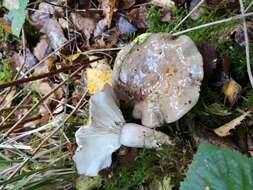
x=45, y=87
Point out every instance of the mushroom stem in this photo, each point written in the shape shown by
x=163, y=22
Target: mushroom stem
x=133, y=135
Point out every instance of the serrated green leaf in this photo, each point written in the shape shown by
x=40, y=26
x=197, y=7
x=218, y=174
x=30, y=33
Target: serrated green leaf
x=17, y=17
x=215, y=168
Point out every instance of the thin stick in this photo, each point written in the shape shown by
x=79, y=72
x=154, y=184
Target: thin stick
x=10, y=114
x=43, y=98
x=237, y=17
x=189, y=14
x=246, y=10
x=246, y=37
x=45, y=139
x=37, y=77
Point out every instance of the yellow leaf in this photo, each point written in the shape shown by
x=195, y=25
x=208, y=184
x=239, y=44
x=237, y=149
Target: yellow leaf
x=74, y=56
x=231, y=90
x=97, y=78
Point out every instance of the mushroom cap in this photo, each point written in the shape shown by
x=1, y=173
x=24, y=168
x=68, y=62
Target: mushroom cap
x=100, y=137
x=160, y=76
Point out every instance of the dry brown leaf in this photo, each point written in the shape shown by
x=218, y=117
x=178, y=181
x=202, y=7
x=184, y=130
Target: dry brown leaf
x=100, y=27
x=231, y=90
x=225, y=129
x=8, y=100
x=30, y=61
x=54, y=32
x=137, y=17
x=84, y=24
x=45, y=12
x=42, y=48
x=108, y=7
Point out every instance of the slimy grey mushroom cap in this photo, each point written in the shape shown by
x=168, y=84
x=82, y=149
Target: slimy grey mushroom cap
x=160, y=76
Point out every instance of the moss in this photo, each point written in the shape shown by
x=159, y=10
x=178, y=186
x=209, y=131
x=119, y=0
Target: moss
x=248, y=101
x=170, y=161
x=5, y=71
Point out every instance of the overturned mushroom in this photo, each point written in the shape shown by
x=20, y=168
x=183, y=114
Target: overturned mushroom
x=106, y=131
x=160, y=76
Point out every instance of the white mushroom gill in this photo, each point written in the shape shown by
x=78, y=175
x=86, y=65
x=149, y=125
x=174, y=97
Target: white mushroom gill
x=100, y=137
x=106, y=131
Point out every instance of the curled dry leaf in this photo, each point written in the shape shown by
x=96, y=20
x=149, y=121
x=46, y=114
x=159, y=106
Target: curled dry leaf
x=225, y=129
x=84, y=24
x=8, y=99
x=124, y=26
x=231, y=91
x=100, y=27
x=54, y=32
x=108, y=7
x=166, y=14
x=137, y=17
x=30, y=60
x=45, y=12
x=42, y=48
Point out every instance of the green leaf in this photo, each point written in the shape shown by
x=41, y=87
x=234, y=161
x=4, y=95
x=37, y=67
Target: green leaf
x=215, y=168
x=17, y=17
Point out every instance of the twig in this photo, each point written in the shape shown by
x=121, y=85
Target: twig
x=246, y=38
x=10, y=114
x=48, y=56
x=41, y=76
x=189, y=14
x=237, y=17
x=45, y=140
x=43, y=98
x=249, y=6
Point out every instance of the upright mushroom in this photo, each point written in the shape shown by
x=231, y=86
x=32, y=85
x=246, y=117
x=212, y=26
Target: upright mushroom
x=106, y=131
x=161, y=77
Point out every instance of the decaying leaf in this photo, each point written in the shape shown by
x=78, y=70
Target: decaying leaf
x=137, y=17
x=84, y=24
x=100, y=27
x=45, y=12
x=124, y=26
x=8, y=99
x=231, y=91
x=163, y=3
x=108, y=7
x=30, y=60
x=42, y=48
x=225, y=129
x=54, y=32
